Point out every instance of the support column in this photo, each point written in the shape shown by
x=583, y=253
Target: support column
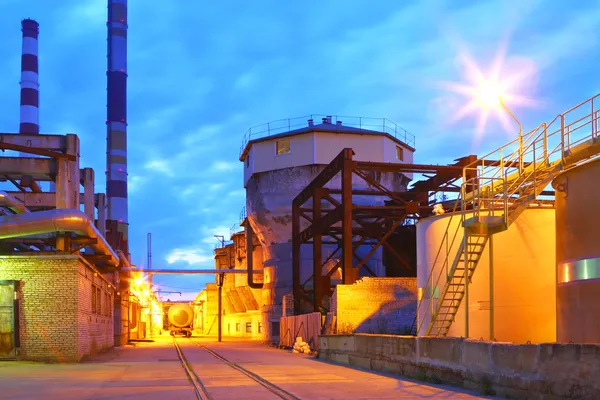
x=63, y=192
x=101, y=205
x=88, y=192
x=296, y=247
x=491, y=287
x=317, y=252
x=349, y=275
x=72, y=148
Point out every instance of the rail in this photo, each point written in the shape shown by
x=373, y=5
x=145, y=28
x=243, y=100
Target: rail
x=365, y=123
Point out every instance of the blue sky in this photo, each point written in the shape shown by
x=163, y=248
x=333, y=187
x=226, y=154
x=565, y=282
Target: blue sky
x=201, y=73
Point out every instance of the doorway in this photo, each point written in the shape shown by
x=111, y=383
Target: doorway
x=8, y=320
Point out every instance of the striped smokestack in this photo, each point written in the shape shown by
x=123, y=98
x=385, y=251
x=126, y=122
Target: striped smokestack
x=116, y=123
x=29, y=122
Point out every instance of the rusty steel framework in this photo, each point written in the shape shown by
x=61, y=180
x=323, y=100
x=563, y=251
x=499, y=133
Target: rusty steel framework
x=332, y=217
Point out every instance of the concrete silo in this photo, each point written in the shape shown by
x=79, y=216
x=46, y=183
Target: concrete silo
x=280, y=161
x=578, y=254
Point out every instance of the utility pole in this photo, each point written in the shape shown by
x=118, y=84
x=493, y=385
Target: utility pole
x=220, y=279
x=150, y=280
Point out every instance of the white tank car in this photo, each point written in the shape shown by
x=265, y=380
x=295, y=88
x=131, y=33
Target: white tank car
x=181, y=317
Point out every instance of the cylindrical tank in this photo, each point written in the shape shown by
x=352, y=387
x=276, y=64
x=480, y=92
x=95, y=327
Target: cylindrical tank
x=523, y=278
x=578, y=254
x=269, y=197
x=181, y=315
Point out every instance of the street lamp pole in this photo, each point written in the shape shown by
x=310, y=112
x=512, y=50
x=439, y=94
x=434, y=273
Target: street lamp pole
x=520, y=134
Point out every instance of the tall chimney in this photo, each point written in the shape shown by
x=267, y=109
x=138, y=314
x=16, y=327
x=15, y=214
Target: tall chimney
x=116, y=123
x=29, y=121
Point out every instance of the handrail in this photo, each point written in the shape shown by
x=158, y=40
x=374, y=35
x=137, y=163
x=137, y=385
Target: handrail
x=445, y=239
x=497, y=183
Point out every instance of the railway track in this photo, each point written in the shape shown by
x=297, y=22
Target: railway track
x=201, y=391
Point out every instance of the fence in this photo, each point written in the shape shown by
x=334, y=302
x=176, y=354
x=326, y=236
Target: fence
x=363, y=123
x=307, y=326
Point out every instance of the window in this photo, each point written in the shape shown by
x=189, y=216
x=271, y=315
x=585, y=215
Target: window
x=98, y=301
x=282, y=146
x=237, y=327
x=399, y=153
x=248, y=327
x=259, y=327
x=248, y=160
x=94, y=304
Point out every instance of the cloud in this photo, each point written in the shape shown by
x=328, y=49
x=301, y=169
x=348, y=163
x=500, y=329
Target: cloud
x=224, y=166
x=135, y=183
x=191, y=256
x=161, y=166
x=201, y=253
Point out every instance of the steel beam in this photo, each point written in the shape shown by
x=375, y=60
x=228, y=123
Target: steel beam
x=296, y=247
x=41, y=169
x=330, y=171
x=317, y=252
x=48, y=142
x=348, y=274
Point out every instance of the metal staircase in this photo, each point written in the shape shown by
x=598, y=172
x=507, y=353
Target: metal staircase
x=495, y=190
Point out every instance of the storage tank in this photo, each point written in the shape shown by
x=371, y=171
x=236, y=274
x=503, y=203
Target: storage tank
x=181, y=317
x=578, y=254
x=523, y=278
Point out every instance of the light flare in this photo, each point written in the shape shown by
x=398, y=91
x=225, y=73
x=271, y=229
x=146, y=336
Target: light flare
x=488, y=92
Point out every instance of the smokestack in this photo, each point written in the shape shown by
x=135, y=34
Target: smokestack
x=116, y=124
x=29, y=122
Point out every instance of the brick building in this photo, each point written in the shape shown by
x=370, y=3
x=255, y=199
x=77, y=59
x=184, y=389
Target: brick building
x=62, y=308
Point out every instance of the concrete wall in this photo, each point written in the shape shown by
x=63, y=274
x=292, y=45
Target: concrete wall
x=523, y=275
x=319, y=148
x=56, y=321
x=543, y=371
x=376, y=305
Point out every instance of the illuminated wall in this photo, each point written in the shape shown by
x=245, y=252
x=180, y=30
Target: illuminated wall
x=65, y=306
x=524, y=278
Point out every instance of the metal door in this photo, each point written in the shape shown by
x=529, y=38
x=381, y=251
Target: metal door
x=8, y=334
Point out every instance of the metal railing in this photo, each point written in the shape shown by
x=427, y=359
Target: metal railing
x=365, y=123
x=499, y=179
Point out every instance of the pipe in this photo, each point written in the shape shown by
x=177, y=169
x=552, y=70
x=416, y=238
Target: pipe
x=64, y=220
x=187, y=271
x=249, y=263
x=12, y=203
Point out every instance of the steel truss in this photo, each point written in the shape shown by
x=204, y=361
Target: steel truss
x=321, y=215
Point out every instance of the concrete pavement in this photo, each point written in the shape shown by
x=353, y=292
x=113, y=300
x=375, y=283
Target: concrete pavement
x=152, y=371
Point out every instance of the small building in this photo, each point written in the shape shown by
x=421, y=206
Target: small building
x=53, y=308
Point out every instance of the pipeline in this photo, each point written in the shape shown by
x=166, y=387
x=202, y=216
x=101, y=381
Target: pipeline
x=64, y=220
x=249, y=263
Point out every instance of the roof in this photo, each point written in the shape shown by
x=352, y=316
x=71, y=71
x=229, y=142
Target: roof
x=282, y=128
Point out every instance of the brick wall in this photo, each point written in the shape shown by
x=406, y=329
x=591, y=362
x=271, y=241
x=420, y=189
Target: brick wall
x=95, y=329
x=55, y=319
x=376, y=305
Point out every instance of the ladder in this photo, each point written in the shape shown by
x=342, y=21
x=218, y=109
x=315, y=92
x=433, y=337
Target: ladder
x=495, y=191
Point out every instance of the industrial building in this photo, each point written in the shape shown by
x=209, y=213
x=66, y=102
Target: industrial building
x=64, y=259
x=320, y=228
